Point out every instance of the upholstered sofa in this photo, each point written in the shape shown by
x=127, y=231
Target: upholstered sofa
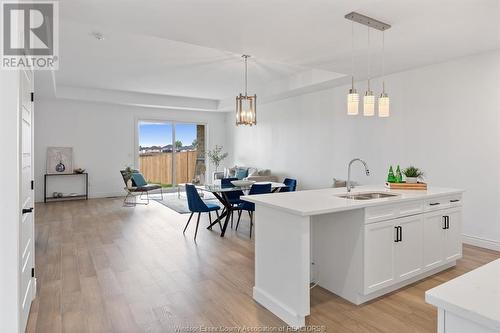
x=250, y=173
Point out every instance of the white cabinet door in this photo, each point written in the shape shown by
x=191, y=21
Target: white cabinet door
x=433, y=239
x=408, y=251
x=379, y=255
x=453, y=234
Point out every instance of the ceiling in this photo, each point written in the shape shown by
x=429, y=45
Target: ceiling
x=193, y=47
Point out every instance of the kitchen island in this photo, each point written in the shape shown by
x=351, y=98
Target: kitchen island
x=470, y=302
x=359, y=247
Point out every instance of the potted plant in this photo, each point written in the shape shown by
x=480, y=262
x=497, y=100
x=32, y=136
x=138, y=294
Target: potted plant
x=216, y=156
x=128, y=176
x=413, y=174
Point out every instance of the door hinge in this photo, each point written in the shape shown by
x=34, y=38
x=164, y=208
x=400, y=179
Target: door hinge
x=33, y=272
x=32, y=184
x=32, y=96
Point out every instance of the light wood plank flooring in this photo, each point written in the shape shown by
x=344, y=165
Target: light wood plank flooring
x=105, y=268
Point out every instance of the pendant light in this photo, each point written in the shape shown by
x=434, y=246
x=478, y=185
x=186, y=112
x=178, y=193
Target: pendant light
x=369, y=98
x=246, y=109
x=383, y=101
x=352, y=96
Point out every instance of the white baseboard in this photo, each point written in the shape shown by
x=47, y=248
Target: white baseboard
x=481, y=242
x=279, y=309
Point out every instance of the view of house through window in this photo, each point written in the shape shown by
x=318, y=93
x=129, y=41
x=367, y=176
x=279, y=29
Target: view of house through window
x=172, y=154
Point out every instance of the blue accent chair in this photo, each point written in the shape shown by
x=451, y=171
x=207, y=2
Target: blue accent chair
x=250, y=207
x=232, y=197
x=291, y=185
x=196, y=205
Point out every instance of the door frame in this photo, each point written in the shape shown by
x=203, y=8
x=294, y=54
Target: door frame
x=30, y=75
x=138, y=119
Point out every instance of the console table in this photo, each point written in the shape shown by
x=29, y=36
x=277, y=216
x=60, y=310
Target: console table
x=84, y=196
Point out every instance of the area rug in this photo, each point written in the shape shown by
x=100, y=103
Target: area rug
x=180, y=205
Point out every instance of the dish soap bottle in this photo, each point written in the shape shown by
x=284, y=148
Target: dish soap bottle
x=390, y=176
x=399, y=177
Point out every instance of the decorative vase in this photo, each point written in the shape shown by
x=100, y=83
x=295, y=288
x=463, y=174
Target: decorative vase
x=60, y=167
x=399, y=177
x=411, y=180
x=129, y=183
x=390, y=177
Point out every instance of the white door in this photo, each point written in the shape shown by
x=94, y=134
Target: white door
x=453, y=235
x=26, y=230
x=408, y=251
x=379, y=255
x=433, y=239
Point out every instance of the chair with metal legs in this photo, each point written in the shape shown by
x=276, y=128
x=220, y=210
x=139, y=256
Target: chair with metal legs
x=233, y=197
x=196, y=205
x=140, y=187
x=250, y=207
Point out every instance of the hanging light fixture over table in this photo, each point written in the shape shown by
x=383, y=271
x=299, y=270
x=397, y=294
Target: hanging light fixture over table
x=369, y=97
x=246, y=108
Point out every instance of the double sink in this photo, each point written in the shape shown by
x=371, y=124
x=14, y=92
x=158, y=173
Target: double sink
x=367, y=195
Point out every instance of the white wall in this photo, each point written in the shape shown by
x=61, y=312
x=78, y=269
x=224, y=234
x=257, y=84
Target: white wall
x=445, y=119
x=10, y=208
x=102, y=136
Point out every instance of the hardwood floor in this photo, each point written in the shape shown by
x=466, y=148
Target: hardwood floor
x=105, y=268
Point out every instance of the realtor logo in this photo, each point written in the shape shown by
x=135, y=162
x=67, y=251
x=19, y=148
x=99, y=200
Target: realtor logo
x=30, y=35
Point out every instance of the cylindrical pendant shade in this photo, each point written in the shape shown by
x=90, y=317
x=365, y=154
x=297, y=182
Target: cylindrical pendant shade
x=384, y=106
x=246, y=111
x=352, y=103
x=369, y=104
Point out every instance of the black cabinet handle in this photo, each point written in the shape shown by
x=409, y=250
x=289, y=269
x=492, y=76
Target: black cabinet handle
x=434, y=204
x=446, y=220
x=455, y=200
x=399, y=234
x=27, y=210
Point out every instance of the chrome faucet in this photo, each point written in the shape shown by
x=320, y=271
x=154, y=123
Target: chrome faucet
x=348, y=183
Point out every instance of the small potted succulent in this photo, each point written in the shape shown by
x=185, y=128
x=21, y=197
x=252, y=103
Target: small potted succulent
x=413, y=174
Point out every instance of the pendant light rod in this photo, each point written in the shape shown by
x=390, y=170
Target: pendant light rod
x=383, y=62
x=369, y=60
x=368, y=21
x=246, y=56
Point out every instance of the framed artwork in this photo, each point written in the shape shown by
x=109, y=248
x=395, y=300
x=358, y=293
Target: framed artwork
x=59, y=160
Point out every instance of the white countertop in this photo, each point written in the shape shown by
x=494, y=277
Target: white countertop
x=324, y=201
x=474, y=295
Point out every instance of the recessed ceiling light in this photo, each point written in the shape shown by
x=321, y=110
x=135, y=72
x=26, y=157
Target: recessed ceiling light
x=97, y=35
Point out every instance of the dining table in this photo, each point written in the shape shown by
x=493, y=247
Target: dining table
x=220, y=192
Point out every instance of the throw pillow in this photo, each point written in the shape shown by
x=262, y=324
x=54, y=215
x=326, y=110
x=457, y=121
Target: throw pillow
x=264, y=172
x=241, y=173
x=253, y=172
x=138, y=180
x=231, y=172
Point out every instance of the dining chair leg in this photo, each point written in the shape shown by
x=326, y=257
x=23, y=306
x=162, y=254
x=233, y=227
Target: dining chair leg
x=190, y=216
x=218, y=218
x=239, y=217
x=210, y=217
x=232, y=214
x=197, y=223
x=251, y=223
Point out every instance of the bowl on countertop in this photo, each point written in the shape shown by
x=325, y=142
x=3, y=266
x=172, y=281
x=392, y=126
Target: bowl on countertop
x=242, y=183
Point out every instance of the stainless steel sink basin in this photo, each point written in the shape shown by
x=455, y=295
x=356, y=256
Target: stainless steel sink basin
x=367, y=196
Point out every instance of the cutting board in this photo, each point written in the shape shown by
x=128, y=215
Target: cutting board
x=406, y=186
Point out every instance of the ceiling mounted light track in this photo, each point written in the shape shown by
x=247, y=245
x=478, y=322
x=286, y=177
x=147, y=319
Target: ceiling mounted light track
x=246, y=108
x=369, y=101
x=368, y=21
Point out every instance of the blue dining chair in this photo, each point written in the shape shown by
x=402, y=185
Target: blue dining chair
x=250, y=207
x=196, y=205
x=232, y=197
x=291, y=185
